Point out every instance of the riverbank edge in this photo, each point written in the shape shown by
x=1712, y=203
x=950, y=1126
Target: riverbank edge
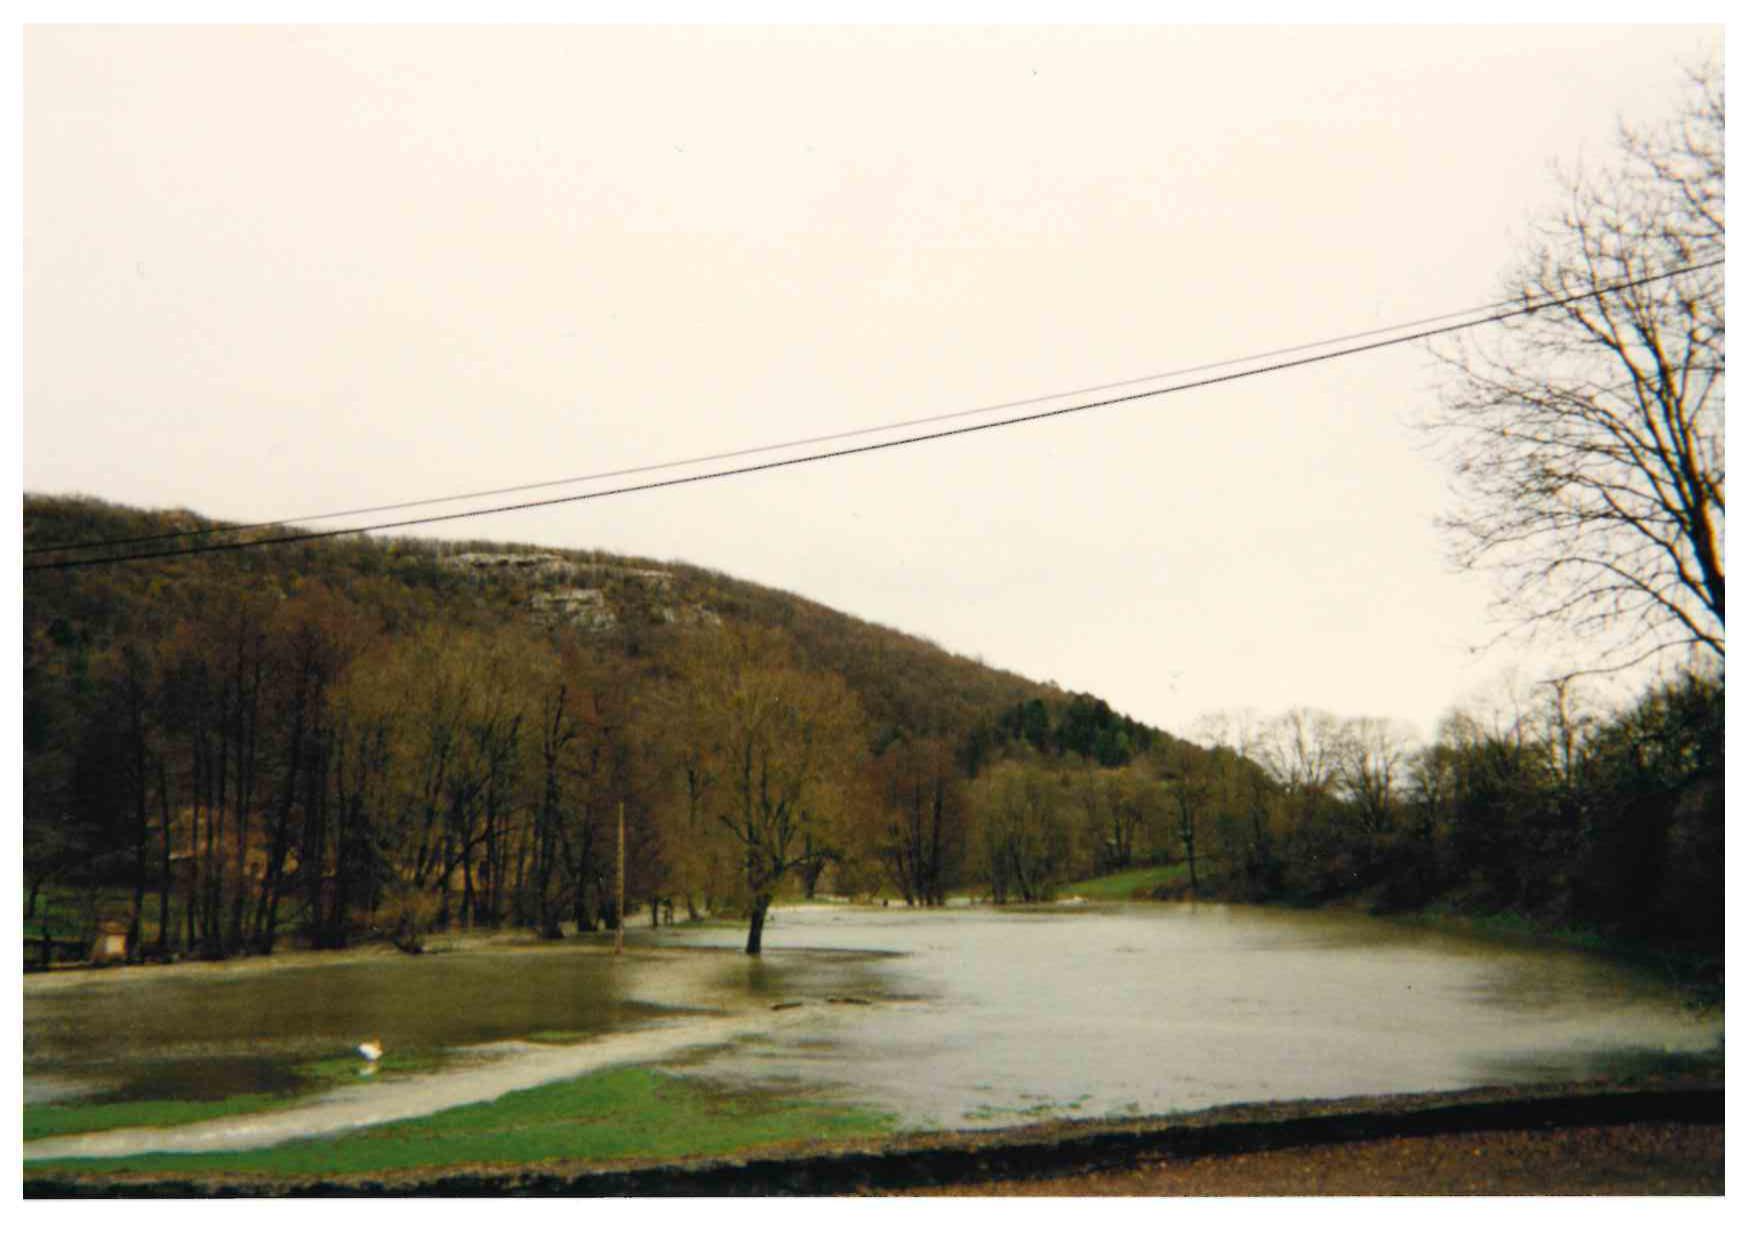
x=1696, y=972
x=1053, y=1149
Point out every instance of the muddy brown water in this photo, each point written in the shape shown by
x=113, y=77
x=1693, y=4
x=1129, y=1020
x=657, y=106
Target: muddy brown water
x=949, y=1018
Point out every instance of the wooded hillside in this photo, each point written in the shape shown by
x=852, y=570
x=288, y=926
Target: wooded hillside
x=359, y=737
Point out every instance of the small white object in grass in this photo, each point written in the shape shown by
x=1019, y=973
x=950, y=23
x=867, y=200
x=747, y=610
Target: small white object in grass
x=371, y=1050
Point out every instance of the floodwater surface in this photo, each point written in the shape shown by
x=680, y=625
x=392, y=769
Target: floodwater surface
x=209, y=1031
x=997, y=1017
x=947, y=1018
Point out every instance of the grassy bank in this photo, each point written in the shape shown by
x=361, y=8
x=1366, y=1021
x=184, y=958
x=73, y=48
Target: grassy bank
x=603, y=1116
x=1129, y=884
x=1697, y=975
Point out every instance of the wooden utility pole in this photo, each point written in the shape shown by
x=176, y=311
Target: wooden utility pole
x=619, y=907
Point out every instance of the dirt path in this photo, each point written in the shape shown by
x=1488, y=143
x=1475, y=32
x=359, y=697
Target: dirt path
x=1647, y=1159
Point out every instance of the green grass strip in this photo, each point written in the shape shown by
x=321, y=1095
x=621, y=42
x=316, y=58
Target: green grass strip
x=1129, y=884
x=71, y=1119
x=622, y=1113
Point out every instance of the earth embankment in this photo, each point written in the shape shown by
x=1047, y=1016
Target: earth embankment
x=1565, y=1139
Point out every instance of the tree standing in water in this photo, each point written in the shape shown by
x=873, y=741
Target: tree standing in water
x=783, y=744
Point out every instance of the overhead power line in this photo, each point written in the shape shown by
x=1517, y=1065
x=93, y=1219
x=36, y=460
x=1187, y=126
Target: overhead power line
x=1519, y=309
x=784, y=445
x=224, y=527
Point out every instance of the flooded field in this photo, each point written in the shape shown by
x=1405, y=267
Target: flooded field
x=1112, y=1010
x=950, y=1018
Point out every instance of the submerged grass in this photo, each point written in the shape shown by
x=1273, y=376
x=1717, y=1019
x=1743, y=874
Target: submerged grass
x=66, y=1119
x=622, y=1113
x=71, y=1118
x=1697, y=975
x=1503, y=926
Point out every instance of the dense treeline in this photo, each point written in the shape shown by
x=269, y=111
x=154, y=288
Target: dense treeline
x=365, y=737
x=359, y=738
x=1613, y=823
x=1084, y=726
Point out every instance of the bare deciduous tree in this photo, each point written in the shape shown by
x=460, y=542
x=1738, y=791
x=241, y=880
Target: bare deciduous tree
x=784, y=742
x=1588, y=437
x=1371, y=757
x=1025, y=821
x=1299, y=749
x=920, y=830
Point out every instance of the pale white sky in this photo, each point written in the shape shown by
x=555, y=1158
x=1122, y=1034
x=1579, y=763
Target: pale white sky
x=275, y=272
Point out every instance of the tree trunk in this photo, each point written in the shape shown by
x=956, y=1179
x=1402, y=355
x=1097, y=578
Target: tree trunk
x=279, y=846
x=212, y=908
x=811, y=869
x=312, y=859
x=191, y=907
x=142, y=826
x=164, y=873
x=935, y=892
x=467, y=891
x=190, y=933
x=248, y=724
x=756, y=924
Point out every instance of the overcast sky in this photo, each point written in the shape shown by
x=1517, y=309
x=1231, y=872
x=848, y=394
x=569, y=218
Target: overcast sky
x=270, y=273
